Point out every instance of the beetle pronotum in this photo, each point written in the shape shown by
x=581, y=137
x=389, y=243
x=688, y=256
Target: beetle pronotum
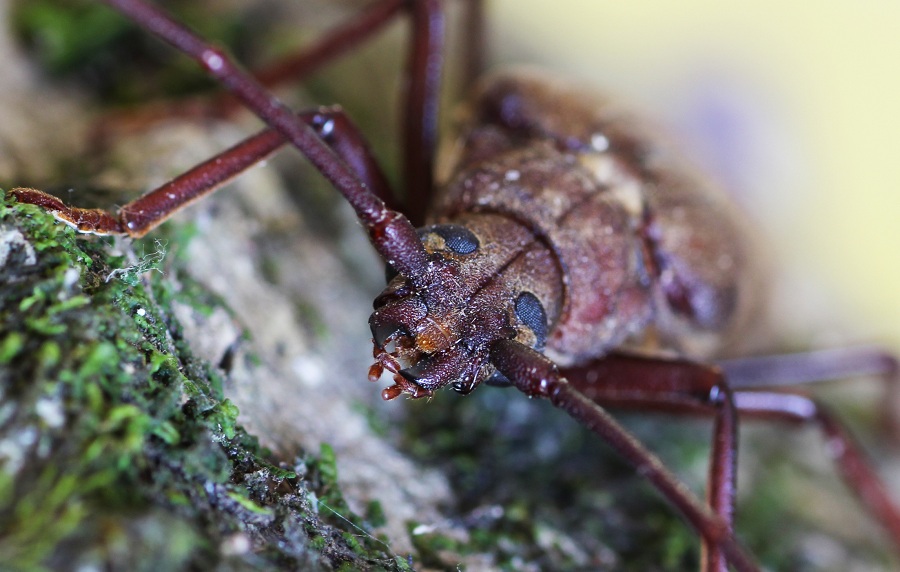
x=537, y=158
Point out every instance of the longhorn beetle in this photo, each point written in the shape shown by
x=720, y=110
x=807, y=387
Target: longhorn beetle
x=566, y=253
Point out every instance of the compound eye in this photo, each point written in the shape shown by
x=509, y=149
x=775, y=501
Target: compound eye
x=457, y=238
x=530, y=312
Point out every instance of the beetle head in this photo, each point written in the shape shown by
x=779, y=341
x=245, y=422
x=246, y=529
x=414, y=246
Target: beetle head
x=437, y=332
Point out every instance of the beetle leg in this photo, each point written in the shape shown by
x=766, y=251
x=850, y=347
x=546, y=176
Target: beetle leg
x=680, y=386
x=331, y=45
x=852, y=463
x=637, y=382
x=422, y=91
x=474, y=47
x=145, y=213
x=809, y=367
x=536, y=376
x=721, y=486
x=422, y=86
x=820, y=366
x=392, y=235
x=814, y=367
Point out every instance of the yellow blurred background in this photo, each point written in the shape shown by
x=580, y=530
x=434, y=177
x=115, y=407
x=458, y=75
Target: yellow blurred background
x=795, y=106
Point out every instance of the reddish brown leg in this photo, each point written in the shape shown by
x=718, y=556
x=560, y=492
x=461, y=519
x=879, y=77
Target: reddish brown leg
x=294, y=67
x=721, y=485
x=537, y=376
x=391, y=233
x=809, y=367
x=331, y=45
x=852, y=463
x=423, y=85
x=145, y=213
x=421, y=104
x=820, y=366
x=681, y=389
x=814, y=367
x=475, y=46
x=677, y=386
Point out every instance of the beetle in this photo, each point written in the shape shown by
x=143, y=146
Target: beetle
x=473, y=300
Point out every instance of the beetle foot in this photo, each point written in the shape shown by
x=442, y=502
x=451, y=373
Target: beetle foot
x=403, y=385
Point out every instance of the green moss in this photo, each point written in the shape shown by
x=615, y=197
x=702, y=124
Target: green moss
x=76, y=38
x=538, y=490
x=117, y=445
x=10, y=347
x=333, y=508
x=375, y=514
x=65, y=38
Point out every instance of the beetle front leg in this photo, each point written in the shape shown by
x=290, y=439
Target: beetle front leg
x=536, y=376
x=142, y=215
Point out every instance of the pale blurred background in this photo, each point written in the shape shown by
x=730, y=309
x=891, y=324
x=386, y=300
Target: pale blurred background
x=792, y=105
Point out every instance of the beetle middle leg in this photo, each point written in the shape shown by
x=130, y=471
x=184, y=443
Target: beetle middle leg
x=684, y=387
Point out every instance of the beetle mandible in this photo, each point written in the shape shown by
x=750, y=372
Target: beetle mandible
x=561, y=227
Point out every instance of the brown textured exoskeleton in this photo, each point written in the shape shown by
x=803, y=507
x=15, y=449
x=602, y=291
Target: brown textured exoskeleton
x=567, y=253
